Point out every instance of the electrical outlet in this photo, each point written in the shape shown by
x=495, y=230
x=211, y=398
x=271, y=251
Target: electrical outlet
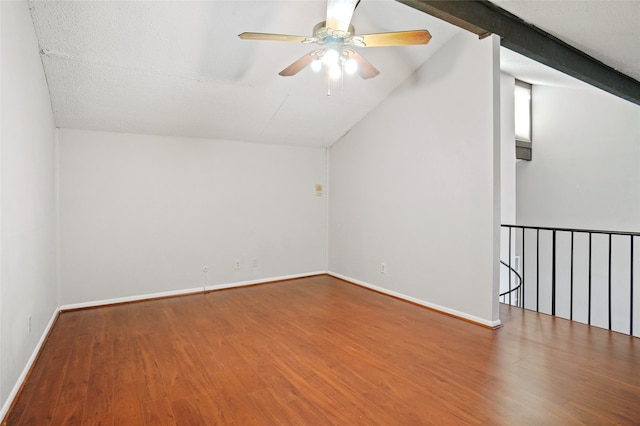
x=205, y=269
x=236, y=265
x=254, y=263
x=29, y=324
x=383, y=268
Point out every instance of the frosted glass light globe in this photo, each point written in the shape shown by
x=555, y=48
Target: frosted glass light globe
x=316, y=65
x=335, y=72
x=330, y=57
x=350, y=66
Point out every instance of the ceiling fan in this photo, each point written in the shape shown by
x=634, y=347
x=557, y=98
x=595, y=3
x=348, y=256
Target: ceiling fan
x=337, y=39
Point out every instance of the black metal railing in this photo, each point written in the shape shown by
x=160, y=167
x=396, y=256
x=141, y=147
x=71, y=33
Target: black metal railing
x=583, y=275
x=505, y=296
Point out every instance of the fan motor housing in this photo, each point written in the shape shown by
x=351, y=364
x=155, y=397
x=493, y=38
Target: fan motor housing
x=321, y=32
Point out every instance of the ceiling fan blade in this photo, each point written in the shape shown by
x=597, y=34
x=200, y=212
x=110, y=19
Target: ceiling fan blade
x=400, y=38
x=339, y=13
x=272, y=37
x=299, y=65
x=365, y=69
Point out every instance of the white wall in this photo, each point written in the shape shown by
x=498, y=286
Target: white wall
x=416, y=185
x=28, y=269
x=507, y=180
x=508, y=150
x=143, y=214
x=585, y=171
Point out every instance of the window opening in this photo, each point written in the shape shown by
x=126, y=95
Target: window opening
x=522, y=103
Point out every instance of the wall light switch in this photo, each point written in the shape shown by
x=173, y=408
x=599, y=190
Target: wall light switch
x=319, y=190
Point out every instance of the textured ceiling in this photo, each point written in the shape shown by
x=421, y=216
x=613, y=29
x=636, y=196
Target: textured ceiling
x=608, y=30
x=178, y=68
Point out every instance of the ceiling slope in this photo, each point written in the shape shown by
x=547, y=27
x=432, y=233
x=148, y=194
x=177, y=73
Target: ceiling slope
x=597, y=42
x=179, y=68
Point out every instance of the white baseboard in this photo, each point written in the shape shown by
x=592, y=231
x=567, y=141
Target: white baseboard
x=25, y=371
x=263, y=280
x=127, y=299
x=449, y=311
x=182, y=292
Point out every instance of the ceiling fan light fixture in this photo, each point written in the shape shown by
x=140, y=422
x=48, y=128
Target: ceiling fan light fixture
x=331, y=57
x=316, y=65
x=335, y=72
x=350, y=66
x=336, y=38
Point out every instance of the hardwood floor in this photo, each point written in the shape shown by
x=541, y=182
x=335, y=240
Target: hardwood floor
x=319, y=351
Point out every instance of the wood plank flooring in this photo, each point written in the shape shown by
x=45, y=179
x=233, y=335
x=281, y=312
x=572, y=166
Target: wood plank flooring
x=319, y=351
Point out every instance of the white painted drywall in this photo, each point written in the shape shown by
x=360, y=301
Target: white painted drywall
x=507, y=179
x=508, y=151
x=28, y=278
x=415, y=185
x=585, y=171
x=143, y=214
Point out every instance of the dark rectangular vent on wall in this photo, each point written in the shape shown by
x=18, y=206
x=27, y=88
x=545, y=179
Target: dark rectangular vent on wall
x=523, y=150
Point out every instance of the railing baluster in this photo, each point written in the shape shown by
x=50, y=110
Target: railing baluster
x=571, y=282
x=631, y=291
x=589, y=304
x=609, y=278
x=510, y=265
x=522, y=258
x=537, y=270
x=553, y=274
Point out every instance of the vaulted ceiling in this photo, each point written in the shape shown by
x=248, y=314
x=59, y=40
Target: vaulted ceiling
x=178, y=68
x=608, y=30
